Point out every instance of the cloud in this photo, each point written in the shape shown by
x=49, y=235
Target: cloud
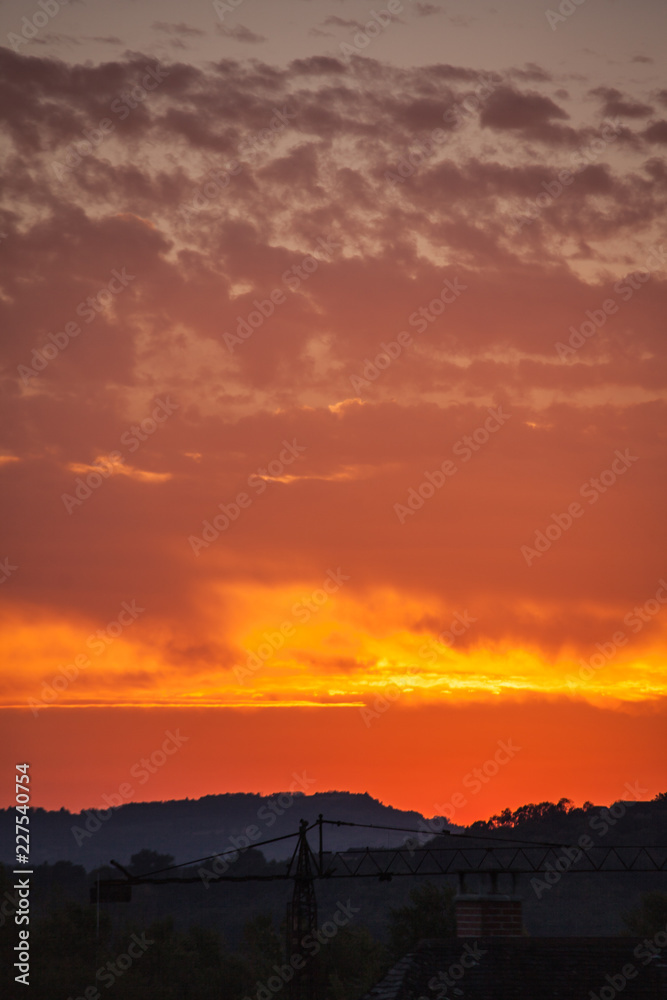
x=317, y=66
x=425, y=9
x=170, y=28
x=241, y=34
x=657, y=132
x=531, y=114
x=104, y=39
x=615, y=105
x=341, y=22
x=275, y=266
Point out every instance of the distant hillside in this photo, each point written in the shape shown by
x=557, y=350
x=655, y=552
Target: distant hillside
x=569, y=903
x=194, y=828
x=573, y=902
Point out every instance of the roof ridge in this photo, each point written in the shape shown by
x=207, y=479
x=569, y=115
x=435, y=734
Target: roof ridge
x=391, y=983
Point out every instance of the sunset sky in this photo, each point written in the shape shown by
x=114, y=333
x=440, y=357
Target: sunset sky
x=333, y=369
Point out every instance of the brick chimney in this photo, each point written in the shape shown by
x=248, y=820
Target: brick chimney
x=492, y=915
x=488, y=914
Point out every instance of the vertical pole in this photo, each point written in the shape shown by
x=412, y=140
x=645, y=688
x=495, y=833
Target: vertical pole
x=302, y=922
x=319, y=821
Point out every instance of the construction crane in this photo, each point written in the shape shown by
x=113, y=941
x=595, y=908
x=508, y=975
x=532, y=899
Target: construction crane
x=502, y=856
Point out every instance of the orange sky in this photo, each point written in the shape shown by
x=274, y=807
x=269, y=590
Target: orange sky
x=465, y=761
x=334, y=406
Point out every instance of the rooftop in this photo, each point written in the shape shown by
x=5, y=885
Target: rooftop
x=526, y=968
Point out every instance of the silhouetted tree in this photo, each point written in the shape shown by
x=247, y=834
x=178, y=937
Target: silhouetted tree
x=350, y=964
x=541, y=812
x=649, y=917
x=146, y=861
x=261, y=945
x=430, y=914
